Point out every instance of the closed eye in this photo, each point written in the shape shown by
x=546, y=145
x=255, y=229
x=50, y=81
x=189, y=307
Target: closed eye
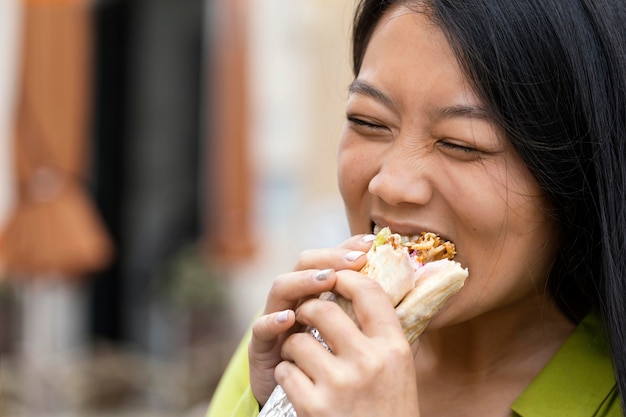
x=363, y=123
x=457, y=147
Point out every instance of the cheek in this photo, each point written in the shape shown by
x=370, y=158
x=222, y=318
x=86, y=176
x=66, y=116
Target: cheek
x=495, y=200
x=355, y=168
x=475, y=207
x=510, y=250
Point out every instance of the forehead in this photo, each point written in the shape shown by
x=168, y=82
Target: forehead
x=410, y=58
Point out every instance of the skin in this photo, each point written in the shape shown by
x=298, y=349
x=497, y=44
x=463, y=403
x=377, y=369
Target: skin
x=419, y=152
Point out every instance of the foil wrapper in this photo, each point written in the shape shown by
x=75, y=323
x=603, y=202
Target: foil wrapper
x=278, y=405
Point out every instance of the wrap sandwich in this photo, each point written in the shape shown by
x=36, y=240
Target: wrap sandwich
x=417, y=273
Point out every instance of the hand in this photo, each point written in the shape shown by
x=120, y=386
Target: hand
x=313, y=274
x=370, y=371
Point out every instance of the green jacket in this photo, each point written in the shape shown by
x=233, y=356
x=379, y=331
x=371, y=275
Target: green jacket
x=577, y=382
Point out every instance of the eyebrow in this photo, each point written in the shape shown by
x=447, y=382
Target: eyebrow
x=471, y=111
x=363, y=88
x=451, y=112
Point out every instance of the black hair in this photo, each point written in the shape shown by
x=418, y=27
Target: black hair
x=553, y=76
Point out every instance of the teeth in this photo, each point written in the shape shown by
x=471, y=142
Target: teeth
x=376, y=229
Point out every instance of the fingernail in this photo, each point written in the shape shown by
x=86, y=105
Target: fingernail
x=322, y=275
x=369, y=238
x=354, y=255
x=282, y=317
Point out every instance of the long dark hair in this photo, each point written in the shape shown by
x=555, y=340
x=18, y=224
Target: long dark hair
x=553, y=75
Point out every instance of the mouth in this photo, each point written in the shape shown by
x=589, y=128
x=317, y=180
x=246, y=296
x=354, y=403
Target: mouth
x=426, y=247
x=407, y=232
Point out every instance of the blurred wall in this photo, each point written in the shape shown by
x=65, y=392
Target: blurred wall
x=9, y=57
x=298, y=74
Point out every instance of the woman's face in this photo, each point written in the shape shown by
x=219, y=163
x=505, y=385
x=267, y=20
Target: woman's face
x=419, y=153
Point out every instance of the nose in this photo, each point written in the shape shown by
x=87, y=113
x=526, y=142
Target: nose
x=402, y=177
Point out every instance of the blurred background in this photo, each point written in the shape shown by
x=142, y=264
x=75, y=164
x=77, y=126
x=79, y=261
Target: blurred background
x=160, y=162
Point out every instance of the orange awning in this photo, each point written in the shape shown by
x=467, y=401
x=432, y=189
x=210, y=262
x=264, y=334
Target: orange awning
x=55, y=228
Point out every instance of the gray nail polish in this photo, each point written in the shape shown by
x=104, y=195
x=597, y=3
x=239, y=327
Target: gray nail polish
x=354, y=255
x=322, y=275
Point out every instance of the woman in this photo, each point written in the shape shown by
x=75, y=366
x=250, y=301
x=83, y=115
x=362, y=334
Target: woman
x=500, y=125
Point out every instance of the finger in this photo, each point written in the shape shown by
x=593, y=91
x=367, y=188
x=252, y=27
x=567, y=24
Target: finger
x=348, y=255
x=295, y=383
x=308, y=354
x=372, y=308
x=288, y=289
x=334, y=325
x=267, y=328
